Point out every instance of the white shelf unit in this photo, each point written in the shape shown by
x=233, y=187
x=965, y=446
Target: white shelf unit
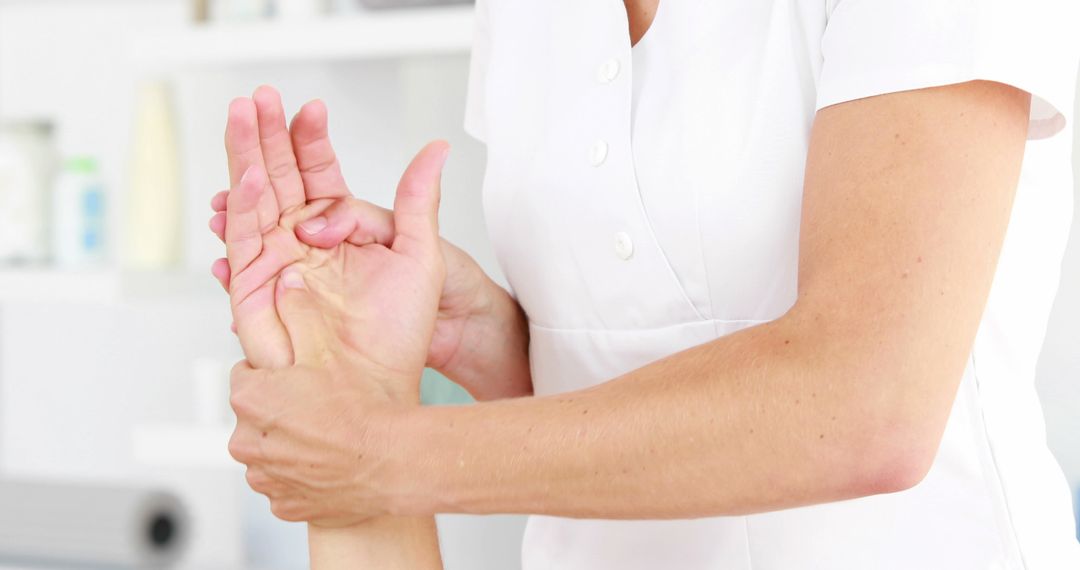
x=29, y=285
x=184, y=446
x=35, y=285
x=367, y=35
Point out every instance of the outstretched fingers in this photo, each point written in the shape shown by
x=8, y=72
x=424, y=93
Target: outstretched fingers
x=242, y=228
x=244, y=150
x=315, y=156
x=277, y=149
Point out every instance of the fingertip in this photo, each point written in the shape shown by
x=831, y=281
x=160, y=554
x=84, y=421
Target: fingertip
x=241, y=126
x=435, y=153
x=241, y=108
x=425, y=171
x=220, y=270
x=323, y=239
x=442, y=149
x=290, y=279
x=220, y=201
x=268, y=105
x=315, y=108
x=440, y=144
x=314, y=225
x=312, y=119
x=328, y=229
x=217, y=224
x=266, y=94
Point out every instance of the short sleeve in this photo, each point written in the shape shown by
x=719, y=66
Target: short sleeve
x=873, y=47
x=475, y=101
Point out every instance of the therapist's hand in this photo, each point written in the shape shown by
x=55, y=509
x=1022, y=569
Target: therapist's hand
x=359, y=320
x=473, y=310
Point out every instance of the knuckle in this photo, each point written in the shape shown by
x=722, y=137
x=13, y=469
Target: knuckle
x=319, y=166
x=239, y=450
x=285, y=510
x=282, y=169
x=252, y=478
x=238, y=376
x=257, y=481
x=239, y=403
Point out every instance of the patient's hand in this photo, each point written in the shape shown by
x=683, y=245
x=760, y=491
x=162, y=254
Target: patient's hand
x=298, y=438
x=369, y=306
x=303, y=162
x=304, y=441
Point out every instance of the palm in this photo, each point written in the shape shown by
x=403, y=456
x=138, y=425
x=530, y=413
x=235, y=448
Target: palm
x=380, y=303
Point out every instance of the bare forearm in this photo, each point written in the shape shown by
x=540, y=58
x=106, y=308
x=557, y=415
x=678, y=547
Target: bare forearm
x=756, y=421
x=386, y=542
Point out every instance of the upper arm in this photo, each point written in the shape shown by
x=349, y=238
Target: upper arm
x=915, y=155
x=906, y=202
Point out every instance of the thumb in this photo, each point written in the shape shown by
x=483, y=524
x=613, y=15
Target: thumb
x=416, y=206
x=348, y=220
x=303, y=318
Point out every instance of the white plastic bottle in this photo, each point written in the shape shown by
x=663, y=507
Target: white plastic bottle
x=79, y=215
x=152, y=236
x=27, y=167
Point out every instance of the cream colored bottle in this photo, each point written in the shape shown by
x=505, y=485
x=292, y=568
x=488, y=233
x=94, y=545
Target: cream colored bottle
x=154, y=213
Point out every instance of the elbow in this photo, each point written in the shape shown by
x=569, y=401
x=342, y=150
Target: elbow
x=893, y=475
x=890, y=462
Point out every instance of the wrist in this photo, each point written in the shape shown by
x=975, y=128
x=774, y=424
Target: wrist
x=384, y=542
x=391, y=385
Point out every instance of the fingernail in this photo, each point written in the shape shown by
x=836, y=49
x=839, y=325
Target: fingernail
x=292, y=279
x=247, y=175
x=314, y=225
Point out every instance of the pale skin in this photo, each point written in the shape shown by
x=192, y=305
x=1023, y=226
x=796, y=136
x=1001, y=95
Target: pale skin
x=906, y=201
x=344, y=300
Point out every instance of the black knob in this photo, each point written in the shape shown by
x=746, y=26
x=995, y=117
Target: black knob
x=162, y=531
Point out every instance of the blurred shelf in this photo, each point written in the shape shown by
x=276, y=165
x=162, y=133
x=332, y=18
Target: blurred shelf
x=32, y=285
x=44, y=284
x=369, y=35
x=203, y=447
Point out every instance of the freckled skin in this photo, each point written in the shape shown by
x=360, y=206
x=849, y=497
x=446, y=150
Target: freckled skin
x=640, y=14
x=855, y=319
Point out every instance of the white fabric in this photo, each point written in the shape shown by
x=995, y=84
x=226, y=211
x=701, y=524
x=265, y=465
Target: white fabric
x=687, y=230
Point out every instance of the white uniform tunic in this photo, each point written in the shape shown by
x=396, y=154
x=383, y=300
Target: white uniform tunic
x=645, y=201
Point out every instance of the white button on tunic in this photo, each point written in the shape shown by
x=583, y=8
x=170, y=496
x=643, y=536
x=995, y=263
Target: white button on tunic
x=598, y=153
x=624, y=247
x=704, y=129
x=609, y=71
